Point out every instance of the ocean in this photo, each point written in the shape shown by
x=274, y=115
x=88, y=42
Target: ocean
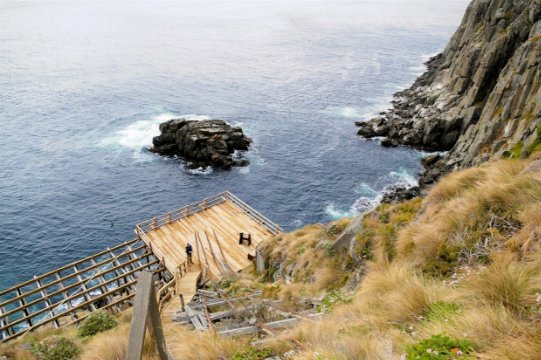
x=84, y=86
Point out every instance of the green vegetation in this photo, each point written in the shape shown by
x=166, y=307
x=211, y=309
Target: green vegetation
x=252, y=354
x=380, y=228
x=535, y=146
x=97, y=322
x=517, y=150
x=440, y=310
x=439, y=347
x=332, y=299
x=55, y=348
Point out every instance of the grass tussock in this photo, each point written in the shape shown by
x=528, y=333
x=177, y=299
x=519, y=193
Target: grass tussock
x=473, y=213
x=299, y=265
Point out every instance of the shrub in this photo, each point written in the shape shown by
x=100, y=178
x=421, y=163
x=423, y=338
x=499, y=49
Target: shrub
x=439, y=347
x=96, y=323
x=252, y=354
x=55, y=348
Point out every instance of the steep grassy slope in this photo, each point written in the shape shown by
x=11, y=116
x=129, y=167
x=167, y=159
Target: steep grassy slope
x=467, y=265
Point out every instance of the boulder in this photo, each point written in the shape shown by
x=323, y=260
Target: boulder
x=202, y=142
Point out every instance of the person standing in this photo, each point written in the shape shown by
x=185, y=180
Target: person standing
x=189, y=251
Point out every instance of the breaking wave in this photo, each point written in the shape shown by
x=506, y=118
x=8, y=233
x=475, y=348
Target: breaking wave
x=138, y=136
x=371, y=195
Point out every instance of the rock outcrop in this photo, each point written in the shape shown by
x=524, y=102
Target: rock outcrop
x=480, y=99
x=202, y=142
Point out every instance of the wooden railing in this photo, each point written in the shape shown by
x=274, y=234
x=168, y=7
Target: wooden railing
x=166, y=292
x=191, y=209
x=146, y=315
x=67, y=295
x=254, y=214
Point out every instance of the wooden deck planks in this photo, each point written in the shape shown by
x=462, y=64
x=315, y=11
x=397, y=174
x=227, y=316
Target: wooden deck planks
x=187, y=287
x=227, y=221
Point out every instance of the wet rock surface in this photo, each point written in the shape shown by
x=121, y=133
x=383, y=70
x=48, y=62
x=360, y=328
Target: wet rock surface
x=202, y=142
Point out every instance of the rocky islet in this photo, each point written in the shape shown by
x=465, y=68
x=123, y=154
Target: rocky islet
x=202, y=142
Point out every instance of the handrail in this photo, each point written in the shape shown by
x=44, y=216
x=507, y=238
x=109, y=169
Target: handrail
x=143, y=227
x=52, y=272
x=145, y=310
x=166, y=292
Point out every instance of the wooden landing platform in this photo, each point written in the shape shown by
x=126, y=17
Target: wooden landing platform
x=107, y=280
x=212, y=227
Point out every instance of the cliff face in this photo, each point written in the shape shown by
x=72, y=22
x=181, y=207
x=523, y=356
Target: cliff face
x=479, y=99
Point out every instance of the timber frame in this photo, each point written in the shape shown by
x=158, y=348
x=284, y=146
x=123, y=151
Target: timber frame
x=107, y=280
x=67, y=295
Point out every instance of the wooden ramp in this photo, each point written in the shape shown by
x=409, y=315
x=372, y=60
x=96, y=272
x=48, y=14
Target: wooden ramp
x=186, y=288
x=212, y=227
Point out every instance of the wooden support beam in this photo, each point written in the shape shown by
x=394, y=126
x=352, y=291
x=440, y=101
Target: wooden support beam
x=145, y=314
x=68, y=300
x=227, y=267
x=46, y=299
x=24, y=308
x=59, y=278
x=194, y=318
x=53, y=272
x=63, y=289
x=103, y=282
x=85, y=293
x=272, y=325
x=184, y=319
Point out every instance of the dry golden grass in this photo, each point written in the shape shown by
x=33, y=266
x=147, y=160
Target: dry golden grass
x=192, y=345
x=303, y=264
x=508, y=283
x=472, y=213
x=488, y=215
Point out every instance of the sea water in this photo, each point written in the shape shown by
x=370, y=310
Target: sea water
x=84, y=86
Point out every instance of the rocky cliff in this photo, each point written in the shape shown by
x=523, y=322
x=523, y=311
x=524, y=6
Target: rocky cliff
x=480, y=99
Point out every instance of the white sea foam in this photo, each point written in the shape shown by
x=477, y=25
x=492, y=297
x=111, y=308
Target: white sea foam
x=334, y=213
x=201, y=170
x=403, y=177
x=138, y=136
x=423, y=154
x=350, y=112
x=370, y=196
x=366, y=190
x=418, y=70
x=244, y=169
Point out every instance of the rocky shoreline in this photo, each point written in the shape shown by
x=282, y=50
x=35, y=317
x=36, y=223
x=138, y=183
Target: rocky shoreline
x=480, y=99
x=202, y=142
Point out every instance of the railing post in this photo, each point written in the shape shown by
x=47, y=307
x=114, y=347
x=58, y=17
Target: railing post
x=182, y=301
x=145, y=310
